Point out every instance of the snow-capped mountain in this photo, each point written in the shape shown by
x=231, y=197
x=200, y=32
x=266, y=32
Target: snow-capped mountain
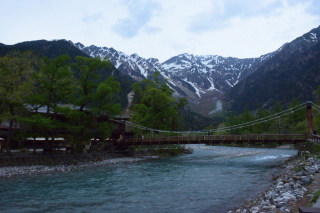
x=211, y=72
x=188, y=75
x=198, y=77
x=292, y=73
x=133, y=65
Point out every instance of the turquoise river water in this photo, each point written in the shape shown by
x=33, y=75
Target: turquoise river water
x=212, y=179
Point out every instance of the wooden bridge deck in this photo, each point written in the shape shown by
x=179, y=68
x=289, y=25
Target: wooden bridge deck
x=217, y=139
x=213, y=139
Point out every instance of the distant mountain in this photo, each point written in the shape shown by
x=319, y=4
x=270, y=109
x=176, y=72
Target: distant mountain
x=188, y=75
x=42, y=48
x=293, y=72
x=55, y=48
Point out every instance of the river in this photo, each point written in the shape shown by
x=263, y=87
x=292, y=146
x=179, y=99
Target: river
x=212, y=179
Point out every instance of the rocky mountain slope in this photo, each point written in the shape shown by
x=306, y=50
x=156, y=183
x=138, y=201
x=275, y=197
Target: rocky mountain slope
x=188, y=75
x=280, y=75
x=294, y=72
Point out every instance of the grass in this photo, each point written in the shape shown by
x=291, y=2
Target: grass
x=315, y=196
x=316, y=148
x=298, y=169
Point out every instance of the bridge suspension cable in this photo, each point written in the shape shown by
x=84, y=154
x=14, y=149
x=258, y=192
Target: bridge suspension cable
x=227, y=128
x=273, y=116
x=255, y=122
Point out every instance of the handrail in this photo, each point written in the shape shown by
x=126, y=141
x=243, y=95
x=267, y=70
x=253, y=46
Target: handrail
x=213, y=138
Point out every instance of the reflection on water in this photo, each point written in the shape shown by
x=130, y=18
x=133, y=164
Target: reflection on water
x=212, y=179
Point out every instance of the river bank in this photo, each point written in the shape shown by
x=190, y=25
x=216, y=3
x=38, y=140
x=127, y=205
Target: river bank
x=68, y=164
x=212, y=179
x=289, y=190
x=31, y=164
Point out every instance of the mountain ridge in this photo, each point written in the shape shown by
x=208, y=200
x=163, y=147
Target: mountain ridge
x=203, y=79
x=189, y=75
x=292, y=73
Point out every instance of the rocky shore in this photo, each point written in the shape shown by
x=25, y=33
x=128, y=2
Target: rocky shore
x=18, y=171
x=30, y=164
x=287, y=189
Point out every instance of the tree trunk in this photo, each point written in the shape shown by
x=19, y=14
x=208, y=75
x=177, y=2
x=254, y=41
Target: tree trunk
x=9, y=138
x=8, y=148
x=46, y=143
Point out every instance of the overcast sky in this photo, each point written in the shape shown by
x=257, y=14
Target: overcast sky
x=165, y=28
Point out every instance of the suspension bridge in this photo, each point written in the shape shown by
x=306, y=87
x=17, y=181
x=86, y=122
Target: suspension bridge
x=224, y=135
x=233, y=134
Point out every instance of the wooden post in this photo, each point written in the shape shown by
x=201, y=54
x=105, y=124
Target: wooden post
x=310, y=118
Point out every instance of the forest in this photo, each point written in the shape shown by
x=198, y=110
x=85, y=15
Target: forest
x=73, y=98
x=70, y=98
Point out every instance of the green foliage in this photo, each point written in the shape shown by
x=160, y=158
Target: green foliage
x=36, y=125
x=16, y=82
x=98, y=99
x=317, y=95
x=15, y=85
x=106, y=91
x=87, y=70
x=315, y=196
x=43, y=48
x=298, y=169
x=194, y=121
x=51, y=84
x=182, y=102
x=154, y=106
x=55, y=82
x=294, y=122
x=316, y=148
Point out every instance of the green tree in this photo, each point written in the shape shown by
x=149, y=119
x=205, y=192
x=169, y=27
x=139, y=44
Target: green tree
x=80, y=122
x=156, y=108
x=15, y=85
x=55, y=85
x=86, y=69
x=79, y=126
x=104, y=105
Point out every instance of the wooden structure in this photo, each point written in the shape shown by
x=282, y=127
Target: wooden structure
x=36, y=143
x=119, y=136
x=219, y=139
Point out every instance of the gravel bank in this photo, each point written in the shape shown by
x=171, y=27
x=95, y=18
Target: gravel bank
x=18, y=171
x=287, y=189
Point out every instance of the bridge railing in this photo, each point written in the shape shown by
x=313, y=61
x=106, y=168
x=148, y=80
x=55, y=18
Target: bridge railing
x=316, y=138
x=218, y=138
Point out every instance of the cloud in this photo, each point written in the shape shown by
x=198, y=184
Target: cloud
x=161, y=29
x=92, y=18
x=314, y=7
x=139, y=14
x=221, y=13
x=152, y=30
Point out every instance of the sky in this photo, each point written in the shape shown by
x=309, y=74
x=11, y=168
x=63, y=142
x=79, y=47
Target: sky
x=164, y=28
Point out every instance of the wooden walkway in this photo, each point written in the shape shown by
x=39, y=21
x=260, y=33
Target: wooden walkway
x=214, y=139
x=218, y=139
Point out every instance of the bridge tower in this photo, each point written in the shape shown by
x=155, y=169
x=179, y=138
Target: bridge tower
x=310, y=118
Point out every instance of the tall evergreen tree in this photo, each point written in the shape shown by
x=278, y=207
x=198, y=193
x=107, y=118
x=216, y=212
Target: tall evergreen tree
x=86, y=71
x=55, y=85
x=15, y=85
x=155, y=108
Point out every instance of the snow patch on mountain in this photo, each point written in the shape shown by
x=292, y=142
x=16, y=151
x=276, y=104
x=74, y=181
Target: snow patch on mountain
x=313, y=37
x=195, y=87
x=185, y=72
